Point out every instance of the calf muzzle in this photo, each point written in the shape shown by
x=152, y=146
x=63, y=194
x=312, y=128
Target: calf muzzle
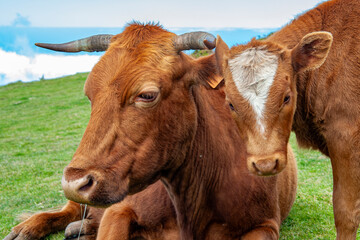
x=267, y=165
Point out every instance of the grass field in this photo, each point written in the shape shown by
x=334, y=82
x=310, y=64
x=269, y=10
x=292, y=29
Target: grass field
x=41, y=124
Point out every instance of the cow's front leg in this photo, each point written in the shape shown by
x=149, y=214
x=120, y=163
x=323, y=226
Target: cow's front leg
x=116, y=222
x=43, y=224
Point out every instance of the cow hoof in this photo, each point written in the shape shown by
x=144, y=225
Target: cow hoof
x=19, y=236
x=10, y=236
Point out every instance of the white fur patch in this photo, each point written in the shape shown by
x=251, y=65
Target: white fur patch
x=253, y=72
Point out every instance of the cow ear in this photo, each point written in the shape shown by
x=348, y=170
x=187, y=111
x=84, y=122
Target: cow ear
x=311, y=52
x=222, y=53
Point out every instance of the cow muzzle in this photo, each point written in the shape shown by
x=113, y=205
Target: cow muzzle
x=266, y=165
x=78, y=189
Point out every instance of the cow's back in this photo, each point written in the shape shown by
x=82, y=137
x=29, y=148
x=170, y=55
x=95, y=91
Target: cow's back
x=329, y=97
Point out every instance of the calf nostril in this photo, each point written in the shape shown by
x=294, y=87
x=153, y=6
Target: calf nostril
x=258, y=172
x=276, y=165
x=87, y=185
x=254, y=165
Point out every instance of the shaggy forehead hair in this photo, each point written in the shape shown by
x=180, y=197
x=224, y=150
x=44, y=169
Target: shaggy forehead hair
x=141, y=52
x=253, y=72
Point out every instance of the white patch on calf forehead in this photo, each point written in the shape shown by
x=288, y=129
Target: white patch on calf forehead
x=253, y=72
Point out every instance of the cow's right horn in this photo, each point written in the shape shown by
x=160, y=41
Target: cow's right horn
x=96, y=43
x=194, y=40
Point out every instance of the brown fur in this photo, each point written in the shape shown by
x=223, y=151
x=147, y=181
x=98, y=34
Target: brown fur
x=186, y=137
x=320, y=72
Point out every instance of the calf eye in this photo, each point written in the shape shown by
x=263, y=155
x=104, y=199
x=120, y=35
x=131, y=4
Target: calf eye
x=231, y=107
x=286, y=99
x=146, y=97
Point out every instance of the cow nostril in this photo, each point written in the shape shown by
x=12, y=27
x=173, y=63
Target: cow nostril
x=81, y=188
x=87, y=185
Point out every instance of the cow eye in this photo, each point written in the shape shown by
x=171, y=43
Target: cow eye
x=286, y=99
x=146, y=97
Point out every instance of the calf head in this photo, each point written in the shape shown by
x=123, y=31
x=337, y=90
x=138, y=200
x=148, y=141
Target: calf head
x=143, y=116
x=260, y=79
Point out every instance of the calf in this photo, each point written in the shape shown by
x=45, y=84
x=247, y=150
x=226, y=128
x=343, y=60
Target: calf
x=304, y=78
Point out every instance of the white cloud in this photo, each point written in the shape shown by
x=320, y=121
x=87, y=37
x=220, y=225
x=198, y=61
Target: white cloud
x=21, y=21
x=15, y=67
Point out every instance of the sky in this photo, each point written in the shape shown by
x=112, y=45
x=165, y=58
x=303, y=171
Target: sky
x=171, y=14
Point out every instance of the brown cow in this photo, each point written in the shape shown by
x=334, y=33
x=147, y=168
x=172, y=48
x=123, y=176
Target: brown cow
x=148, y=214
x=154, y=116
x=315, y=72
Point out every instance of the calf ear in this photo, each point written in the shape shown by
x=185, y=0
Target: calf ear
x=215, y=80
x=312, y=51
x=222, y=53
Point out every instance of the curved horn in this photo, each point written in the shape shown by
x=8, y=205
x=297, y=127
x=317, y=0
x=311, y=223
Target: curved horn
x=96, y=43
x=194, y=40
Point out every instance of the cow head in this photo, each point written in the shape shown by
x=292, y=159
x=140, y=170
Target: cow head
x=260, y=80
x=143, y=116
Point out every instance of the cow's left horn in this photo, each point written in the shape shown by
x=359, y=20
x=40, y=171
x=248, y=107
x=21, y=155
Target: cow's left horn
x=96, y=43
x=194, y=40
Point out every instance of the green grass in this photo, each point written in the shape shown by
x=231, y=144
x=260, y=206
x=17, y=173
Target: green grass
x=311, y=216
x=41, y=124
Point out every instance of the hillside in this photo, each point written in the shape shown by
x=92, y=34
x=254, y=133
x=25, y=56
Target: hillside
x=41, y=124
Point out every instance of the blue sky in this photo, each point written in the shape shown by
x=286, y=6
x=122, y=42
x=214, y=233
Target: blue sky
x=171, y=14
x=21, y=60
